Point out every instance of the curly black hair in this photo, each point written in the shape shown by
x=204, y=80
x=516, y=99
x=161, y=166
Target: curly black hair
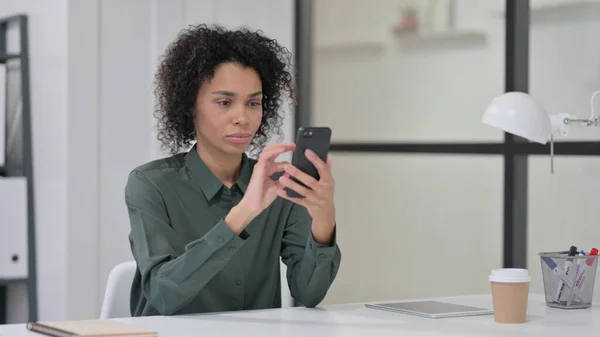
x=192, y=59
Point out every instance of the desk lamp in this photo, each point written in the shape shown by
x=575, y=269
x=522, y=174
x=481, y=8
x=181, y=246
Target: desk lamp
x=520, y=114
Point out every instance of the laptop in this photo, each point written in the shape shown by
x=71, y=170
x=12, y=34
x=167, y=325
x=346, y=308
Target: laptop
x=431, y=309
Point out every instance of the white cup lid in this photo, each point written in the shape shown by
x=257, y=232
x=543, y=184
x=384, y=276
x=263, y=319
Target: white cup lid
x=510, y=275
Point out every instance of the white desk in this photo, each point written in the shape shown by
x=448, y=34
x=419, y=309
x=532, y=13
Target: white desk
x=356, y=320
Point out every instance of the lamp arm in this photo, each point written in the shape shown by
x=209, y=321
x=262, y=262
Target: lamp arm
x=570, y=120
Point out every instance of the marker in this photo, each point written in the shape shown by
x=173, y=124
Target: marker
x=558, y=272
x=568, y=265
x=577, y=269
x=581, y=253
x=586, y=267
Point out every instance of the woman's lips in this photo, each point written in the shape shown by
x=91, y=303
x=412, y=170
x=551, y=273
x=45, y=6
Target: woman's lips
x=239, y=138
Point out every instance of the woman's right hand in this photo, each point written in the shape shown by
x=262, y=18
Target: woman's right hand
x=262, y=189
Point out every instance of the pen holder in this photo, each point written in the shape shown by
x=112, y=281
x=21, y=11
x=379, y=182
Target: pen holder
x=568, y=280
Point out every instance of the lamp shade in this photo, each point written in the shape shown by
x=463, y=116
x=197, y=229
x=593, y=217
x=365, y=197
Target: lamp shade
x=519, y=114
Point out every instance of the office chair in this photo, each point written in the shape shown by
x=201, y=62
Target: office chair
x=118, y=287
x=287, y=301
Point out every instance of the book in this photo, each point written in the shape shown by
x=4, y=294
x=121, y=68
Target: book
x=89, y=328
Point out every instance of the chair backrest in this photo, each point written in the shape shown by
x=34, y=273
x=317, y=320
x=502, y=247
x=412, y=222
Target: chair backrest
x=118, y=288
x=287, y=301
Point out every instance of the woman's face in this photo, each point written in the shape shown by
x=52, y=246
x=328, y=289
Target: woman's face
x=228, y=109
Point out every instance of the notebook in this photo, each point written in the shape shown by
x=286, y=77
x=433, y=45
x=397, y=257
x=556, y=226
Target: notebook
x=432, y=309
x=89, y=328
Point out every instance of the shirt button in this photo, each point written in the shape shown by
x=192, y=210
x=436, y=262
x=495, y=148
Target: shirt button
x=220, y=239
x=238, y=282
x=322, y=256
x=232, y=248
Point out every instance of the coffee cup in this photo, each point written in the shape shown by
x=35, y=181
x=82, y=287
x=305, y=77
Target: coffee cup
x=510, y=292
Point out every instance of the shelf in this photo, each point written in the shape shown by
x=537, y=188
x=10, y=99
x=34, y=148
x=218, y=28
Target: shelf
x=17, y=169
x=350, y=47
x=567, y=11
x=6, y=57
x=12, y=169
x=418, y=40
x=7, y=281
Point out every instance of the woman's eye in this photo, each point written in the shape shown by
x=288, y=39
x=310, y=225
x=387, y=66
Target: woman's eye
x=254, y=103
x=224, y=103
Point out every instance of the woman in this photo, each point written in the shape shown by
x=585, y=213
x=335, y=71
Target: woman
x=209, y=226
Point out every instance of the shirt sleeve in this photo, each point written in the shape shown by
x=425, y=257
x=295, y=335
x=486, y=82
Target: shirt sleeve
x=311, y=267
x=170, y=278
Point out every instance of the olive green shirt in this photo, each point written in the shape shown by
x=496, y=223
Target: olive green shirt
x=189, y=260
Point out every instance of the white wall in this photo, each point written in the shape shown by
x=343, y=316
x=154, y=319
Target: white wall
x=125, y=112
x=92, y=65
x=83, y=160
x=371, y=86
x=432, y=225
x=48, y=59
x=565, y=66
x=563, y=207
x=415, y=88
x=409, y=226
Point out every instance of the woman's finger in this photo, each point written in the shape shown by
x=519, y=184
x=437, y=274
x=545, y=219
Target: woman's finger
x=278, y=167
x=271, y=152
x=300, y=201
x=288, y=182
x=301, y=176
x=267, y=157
x=322, y=168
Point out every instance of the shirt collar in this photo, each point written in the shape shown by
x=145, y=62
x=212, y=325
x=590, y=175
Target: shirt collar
x=209, y=183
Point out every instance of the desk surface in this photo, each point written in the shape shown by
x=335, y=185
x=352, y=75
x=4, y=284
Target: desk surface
x=356, y=320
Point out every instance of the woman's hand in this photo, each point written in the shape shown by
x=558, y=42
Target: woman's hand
x=318, y=195
x=262, y=189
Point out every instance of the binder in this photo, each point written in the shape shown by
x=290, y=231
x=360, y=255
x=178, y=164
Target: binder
x=2, y=114
x=13, y=228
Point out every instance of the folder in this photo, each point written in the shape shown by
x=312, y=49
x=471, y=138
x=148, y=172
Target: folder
x=89, y=328
x=14, y=252
x=2, y=113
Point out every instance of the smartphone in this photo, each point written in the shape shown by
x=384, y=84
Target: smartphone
x=317, y=139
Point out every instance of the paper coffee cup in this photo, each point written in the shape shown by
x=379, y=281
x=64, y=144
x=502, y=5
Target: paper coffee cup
x=510, y=292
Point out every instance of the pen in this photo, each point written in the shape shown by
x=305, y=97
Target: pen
x=577, y=268
x=568, y=265
x=558, y=272
x=582, y=275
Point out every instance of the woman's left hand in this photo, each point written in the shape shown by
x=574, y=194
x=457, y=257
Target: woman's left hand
x=318, y=194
